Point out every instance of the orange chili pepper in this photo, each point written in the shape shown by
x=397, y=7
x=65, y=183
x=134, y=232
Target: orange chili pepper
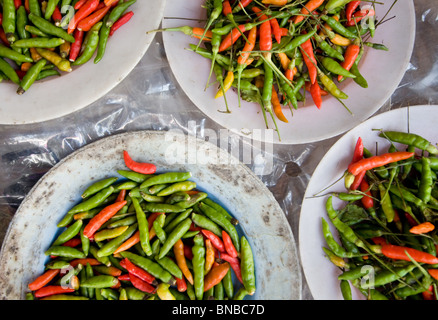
x=277, y=106
x=308, y=7
x=422, y=228
x=215, y=275
x=43, y=279
x=103, y=216
x=87, y=23
x=209, y=256
x=350, y=56
x=178, y=250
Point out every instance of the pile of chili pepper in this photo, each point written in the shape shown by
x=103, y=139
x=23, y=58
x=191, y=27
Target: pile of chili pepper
x=41, y=39
x=146, y=236
x=388, y=241
x=273, y=51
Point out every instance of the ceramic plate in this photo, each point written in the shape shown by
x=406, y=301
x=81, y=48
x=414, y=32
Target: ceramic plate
x=229, y=182
x=308, y=124
x=321, y=275
x=55, y=97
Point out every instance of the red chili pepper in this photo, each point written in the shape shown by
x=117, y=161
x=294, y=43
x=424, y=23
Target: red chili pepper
x=428, y=294
x=122, y=20
x=26, y=5
x=140, y=167
x=75, y=47
x=18, y=4
x=399, y=253
x=242, y=4
x=309, y=60
x=87, y=23
x=377, y=161
x=141, y=285
x=379, y=241
x=121, y=196
x=248, y=47
x=51, y=290
x=72, y=242
x=83, y=261
x=310, y=6
x=103, y=216
x=229, y=246
x=57, y=16
x=86, y=9
x=358, y=16
x=43, y=279
x=215, y=240
x=410, y=220
x=350, y=57
x=3, y=37
x=231, y=38
x=276, y=30
x=351, y=7
x=367, y=201
x=137, y=271
x=226, y=8
x=181, y=284
x=79, y=4
x=265, y=37
x=235, y=265
x=188, y=252
x=358, y=155
x=433, y=273
x=124, y=277
x=315, y=92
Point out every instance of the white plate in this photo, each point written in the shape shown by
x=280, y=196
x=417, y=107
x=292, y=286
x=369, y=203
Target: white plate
x=229, y=182
x=321, y=275
x=383, y=71
x=56, y=97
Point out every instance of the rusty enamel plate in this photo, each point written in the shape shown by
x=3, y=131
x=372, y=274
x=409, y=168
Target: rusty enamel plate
x=216, y=172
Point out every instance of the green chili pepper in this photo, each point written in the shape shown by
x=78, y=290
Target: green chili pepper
x=178, y=186
x=177, y=220
x=47, y=73
x=219, y=292
x=64, y=251
x=377, y=46
x=89, y=273
x=387, y=276
x=385, y=201
x=47, y=27
x=346, y=290
x=174, y=236
x=426, y=182
x=69, y=233
x=334, y=246
x=50, y=8
x=134, y=176
x=5, y=52
x=99, y=282
x=98, y=186
x=359, y=79
x=58, y=264
x=158, y=227
x=150, y=266
x=251, y=73
x=117, y=12
x=334, y=67
x=103, y=38
x=198, y=262
x=240, y=294
x=35, y=8
x=90, y=47
x=177, y=197
x=223, y=222
x=109, y=247
x=21, y=23
x=143, y=227
x=194, y=199
x=327, y=48
x=410, y=139
x=168, y=177
x=297, y=41
x=267, y=87
x=247, y=266
x=337, y=26
x=134, y=294
x=31, y=76
x=35, y=31
x=331, y=86
x=162, y=207
x=168, y=264
x=9, y=20
x=10, y=72
x=218, y=208
x=353, y=274
x=123, y=222
x=220, y=60
x=206, y=223
x=227, y=282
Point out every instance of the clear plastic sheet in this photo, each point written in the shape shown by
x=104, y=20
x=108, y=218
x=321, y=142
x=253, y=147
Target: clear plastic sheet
x=151, y=99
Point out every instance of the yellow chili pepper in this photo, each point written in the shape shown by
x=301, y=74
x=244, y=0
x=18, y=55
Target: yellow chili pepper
x=227, y=84
x=275, y=2
x=163, y=292
x=340, y=40
x=61, y=63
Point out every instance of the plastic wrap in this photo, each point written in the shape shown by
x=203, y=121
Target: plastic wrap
x=150, y=98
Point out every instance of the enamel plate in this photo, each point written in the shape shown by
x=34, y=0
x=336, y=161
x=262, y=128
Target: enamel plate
x=383, y=71
x=320, y=273
x=227, y=181
x=57, y=96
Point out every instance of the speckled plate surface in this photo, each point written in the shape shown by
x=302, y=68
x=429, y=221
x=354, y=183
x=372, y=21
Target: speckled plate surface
x=225, y=179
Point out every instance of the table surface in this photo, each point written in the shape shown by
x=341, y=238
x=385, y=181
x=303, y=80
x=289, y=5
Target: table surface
x=151, y=99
